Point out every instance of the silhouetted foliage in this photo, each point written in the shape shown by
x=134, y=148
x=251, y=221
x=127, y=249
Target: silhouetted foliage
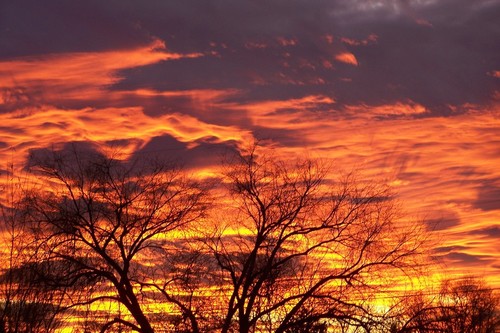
x=465, y=305
x=301, y=253
x=27, y=304
x=131, y=246
x=24, y=317
x=102, y=219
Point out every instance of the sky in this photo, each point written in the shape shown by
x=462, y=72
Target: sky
x=405, y=90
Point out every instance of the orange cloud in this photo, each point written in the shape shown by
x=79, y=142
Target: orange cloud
x=81, y=75
x=371, y=39
x=86, y=77
x=283, y=41
x=494, y=74
x=347, y=58
x=28, y=129
x=329, y=38
x=282, y=113
x=255, y=45
x=387, y=110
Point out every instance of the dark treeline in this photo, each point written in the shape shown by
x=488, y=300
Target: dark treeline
x=105, y=245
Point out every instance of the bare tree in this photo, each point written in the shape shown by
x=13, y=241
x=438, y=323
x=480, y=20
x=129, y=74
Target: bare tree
x=26, y=305
x=304, y=252
x=295, y=251
x=105, y=226
x=464, y=305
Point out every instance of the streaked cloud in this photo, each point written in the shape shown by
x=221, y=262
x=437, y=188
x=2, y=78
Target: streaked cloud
x=54, y=78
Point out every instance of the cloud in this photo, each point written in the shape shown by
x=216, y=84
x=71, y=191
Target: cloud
x=434, y=66
x=85, y=76
x=387, y=111
x=31, y=28
x=69, y=155
x=442, y=221
x=448, y=249
x=129, y=128
x=204, y=153
x=488, y=197
x=490, y=232
x=199, y=154
x=461, y=258
x=347, y=58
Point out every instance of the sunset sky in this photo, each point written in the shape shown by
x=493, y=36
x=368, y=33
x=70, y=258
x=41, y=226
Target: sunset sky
x=407, y=91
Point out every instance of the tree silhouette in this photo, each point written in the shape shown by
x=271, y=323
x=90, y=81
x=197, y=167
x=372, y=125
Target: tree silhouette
x=284, y=248
x=105, y=225
x=464, y=305
x=301, y=252
x=26, y=304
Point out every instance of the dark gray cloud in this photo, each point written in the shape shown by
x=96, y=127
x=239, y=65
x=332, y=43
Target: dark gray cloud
x=445, y=220
x=488, y=196
x=205, y=152
x=286, y=137
x=30, y=27
x=467, y=259
x=162, y=149
x=70, y=155
x=448, y=249
x=443, y=62
x=490, y=232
